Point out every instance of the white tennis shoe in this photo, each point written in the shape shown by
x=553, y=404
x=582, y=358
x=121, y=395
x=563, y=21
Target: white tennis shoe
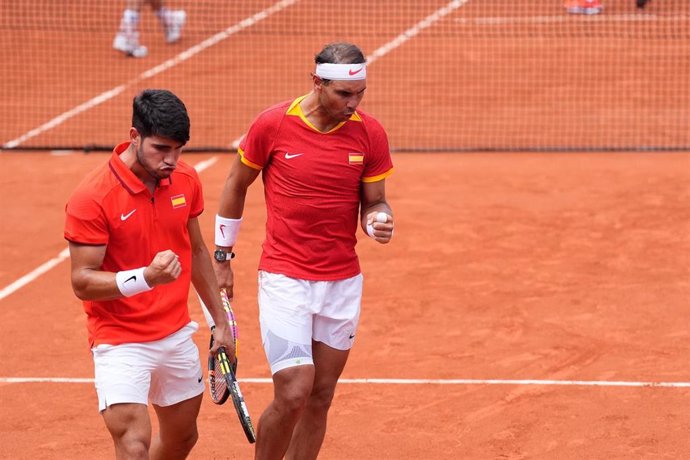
x=172, y=23
x=128, y=43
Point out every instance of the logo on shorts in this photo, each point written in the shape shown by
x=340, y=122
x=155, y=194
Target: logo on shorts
x=352, y=336
x=200, y=379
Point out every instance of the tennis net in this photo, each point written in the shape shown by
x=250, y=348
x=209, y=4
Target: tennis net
x=458, y=75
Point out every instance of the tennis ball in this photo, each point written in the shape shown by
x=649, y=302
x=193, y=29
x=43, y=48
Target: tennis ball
x=381, y=217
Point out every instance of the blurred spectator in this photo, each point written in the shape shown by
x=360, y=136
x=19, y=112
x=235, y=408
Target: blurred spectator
x=127, y=37
x=584, y=7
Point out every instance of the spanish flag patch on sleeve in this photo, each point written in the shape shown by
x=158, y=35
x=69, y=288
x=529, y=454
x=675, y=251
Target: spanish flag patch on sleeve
x=356, y=158
x=178, y=201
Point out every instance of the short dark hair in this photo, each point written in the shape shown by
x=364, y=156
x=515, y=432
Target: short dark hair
x=158, y=112
x=339, y=53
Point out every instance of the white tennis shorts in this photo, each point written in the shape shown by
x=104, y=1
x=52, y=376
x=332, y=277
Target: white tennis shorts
x=293, y=312
x=165, y=371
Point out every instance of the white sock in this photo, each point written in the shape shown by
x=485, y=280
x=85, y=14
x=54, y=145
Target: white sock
x=130, y=21
x=163, y=13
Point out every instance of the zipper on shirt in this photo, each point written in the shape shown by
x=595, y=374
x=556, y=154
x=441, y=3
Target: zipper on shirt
x=153, y=205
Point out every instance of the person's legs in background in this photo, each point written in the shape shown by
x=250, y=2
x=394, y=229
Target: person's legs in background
x=127, y=37
x=584, y=7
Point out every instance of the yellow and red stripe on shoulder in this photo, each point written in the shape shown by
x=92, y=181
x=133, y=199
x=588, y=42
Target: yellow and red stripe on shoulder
x=378, y=177
x=246, y=162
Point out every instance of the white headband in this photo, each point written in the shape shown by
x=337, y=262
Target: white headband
x=341, y=71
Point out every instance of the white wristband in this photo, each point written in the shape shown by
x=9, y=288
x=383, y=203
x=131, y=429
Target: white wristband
x=226, y=231
x=132, y=282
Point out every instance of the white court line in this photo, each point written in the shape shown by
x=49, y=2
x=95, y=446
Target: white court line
x=415, y=30
x=492, y=21
x=586, y=383
x=64, y=254
x=29, y=277
x=202, y=165
x=183, y=56
x=399, y=40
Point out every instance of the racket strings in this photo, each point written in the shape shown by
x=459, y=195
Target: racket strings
x=217, y=383
x=222, y=375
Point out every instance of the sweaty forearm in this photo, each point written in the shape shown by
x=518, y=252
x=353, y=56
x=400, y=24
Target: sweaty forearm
x=235, y=189
x=89, y=284
x=232, y=201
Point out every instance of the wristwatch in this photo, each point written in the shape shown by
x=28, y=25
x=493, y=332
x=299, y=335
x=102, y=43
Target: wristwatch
x=223, y=256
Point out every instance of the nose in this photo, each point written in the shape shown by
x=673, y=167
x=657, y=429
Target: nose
x=352, y=103
x=171, y=158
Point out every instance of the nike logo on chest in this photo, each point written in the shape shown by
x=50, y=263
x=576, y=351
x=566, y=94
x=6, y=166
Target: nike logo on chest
x=124, y=217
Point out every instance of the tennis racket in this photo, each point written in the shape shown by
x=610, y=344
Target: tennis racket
x=222, y=379
x=217, y=383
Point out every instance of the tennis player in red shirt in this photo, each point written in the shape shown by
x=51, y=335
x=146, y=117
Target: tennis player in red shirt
x=135, y=245
x=324, y=166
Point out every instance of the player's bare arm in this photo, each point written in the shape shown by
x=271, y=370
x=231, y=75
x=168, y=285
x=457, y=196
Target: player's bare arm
x=231, y=206
x=206, y=286
x=376, y=215
x=89, y=282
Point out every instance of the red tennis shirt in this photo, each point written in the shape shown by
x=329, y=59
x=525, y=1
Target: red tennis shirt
x=312, y=183
x=112, y=207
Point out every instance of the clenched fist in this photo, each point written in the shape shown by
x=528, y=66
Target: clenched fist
x=163, y=269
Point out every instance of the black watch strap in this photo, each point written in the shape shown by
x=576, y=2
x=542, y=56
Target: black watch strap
x=223, y=256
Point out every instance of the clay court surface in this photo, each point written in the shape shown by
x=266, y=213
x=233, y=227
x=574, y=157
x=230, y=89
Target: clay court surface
x=545, y=267
x=538, y=302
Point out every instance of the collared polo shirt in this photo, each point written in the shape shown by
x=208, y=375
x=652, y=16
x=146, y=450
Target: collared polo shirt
x=113, y=207
x=312, y=183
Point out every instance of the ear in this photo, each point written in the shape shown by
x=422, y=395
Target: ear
x=318, y=83
x=134, y=136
